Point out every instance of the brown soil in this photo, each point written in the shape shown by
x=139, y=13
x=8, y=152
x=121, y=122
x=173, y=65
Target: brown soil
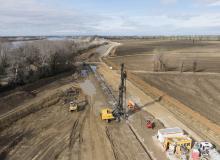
x=204, y=62
x=140, y=55
x=141, y=46
x=55, y=133
x=11, y=99
x=197, y=123
x=199, y=92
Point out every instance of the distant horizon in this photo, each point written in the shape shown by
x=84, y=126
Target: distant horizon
x=109, y=36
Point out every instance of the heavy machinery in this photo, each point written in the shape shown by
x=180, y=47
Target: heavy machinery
x=106, y=114
x=204, y=151
x=77, y=105
x=73, y=106
x=150, y=124
x=132, y=106
x=180, y=146
x=118, y=111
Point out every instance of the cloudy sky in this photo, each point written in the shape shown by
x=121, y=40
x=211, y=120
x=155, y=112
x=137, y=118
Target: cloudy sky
x=109, y=17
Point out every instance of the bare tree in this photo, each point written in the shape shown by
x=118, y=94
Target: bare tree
x=181, y=66
x=194, y=66
x=38, y=59
x=4, y=49
x=159, y=64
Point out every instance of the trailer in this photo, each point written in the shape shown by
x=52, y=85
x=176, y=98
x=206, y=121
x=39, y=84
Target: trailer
x=162, y=134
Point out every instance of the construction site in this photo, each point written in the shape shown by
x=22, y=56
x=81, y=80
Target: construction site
x=126, y=99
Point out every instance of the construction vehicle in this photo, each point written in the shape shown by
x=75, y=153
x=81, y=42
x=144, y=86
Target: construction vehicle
x=180, y=146
x=73, y=106
x=169, y=133
x=204, y=151
x=150, y=124
x=132, y=106
x=118, y=111
x=78, y=105
x=106, y=114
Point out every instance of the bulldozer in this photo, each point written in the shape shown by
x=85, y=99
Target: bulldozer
x=118, y=112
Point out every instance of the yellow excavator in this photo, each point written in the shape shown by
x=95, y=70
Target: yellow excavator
x=108, y=114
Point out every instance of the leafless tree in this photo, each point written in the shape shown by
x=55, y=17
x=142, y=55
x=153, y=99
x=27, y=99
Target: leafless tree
x=4, y=49
x=182, y=66
x=194, y=66
x=33, y=60
x=159, y=62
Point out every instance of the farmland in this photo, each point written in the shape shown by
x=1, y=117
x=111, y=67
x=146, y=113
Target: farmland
x=181, y=83
x=174, y=54
x=200, y=92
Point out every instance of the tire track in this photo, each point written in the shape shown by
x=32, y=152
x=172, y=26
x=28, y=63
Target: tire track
x=140, y=142
x=76, y=132
x=112, y=143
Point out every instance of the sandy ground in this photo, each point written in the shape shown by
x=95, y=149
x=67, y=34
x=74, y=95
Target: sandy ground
x=198, y=127
x=191, y=97
x=188, y=87
x=174, y=54
x=55, y=133
x=11, y=99
x=206, y=62
x=143, y=46
x=156, y=109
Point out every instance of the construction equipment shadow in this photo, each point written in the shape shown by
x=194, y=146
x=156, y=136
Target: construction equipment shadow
x=140, y=108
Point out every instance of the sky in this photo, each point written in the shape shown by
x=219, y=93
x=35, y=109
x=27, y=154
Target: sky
x=109, y=17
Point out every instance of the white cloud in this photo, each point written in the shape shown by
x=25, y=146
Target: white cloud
x=168, y=1
x=210, y=2
x=215, y=4
x=29, y=17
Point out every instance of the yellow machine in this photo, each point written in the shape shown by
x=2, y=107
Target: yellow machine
x=77, y=105
x=118, y=112
x=73, y=106
x=178, y=145
x=106, y=114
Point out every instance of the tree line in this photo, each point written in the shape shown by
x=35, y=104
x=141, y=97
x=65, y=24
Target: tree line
x=30, y=61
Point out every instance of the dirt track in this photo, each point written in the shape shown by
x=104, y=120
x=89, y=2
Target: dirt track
x=55, y=133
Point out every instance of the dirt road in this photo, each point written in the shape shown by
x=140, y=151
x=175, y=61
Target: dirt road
x=55, y=133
